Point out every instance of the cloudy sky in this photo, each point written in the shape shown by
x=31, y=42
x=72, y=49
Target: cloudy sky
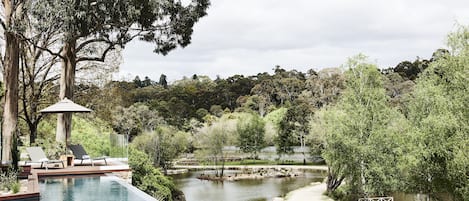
x=251, y=36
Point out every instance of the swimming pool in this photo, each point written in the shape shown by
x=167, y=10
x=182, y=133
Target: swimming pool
x=103, y=188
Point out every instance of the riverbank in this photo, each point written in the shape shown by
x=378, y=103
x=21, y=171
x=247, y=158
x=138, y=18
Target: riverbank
x=255, y=173
x=242, y=190
x=312, y=192
x=242, y=167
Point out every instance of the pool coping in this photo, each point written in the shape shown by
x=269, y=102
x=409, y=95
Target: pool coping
x=111, y=177
x=132, y=188
x=33, y=192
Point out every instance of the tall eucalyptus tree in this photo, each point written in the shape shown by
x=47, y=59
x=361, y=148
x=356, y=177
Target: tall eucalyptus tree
x=11, y=25
x=168, y=24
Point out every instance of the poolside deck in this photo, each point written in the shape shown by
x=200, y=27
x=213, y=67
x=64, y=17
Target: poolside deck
x=80, y=170
x=32, y=192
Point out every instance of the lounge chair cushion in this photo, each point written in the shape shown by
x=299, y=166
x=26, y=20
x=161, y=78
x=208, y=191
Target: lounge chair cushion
x=84, y=157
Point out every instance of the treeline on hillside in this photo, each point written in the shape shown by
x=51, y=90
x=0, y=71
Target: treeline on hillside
x=196, y=96
x=380, y=131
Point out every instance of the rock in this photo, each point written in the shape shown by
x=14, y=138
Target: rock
x=178, y=195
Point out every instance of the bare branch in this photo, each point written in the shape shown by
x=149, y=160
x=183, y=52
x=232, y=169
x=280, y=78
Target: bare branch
x=82, y=45
x=30, y=41
x=101, y=58
x=4, y=26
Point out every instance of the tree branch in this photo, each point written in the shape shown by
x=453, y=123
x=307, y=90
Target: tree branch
x=4, y=26
x=101, y=58
x=82, y=45
x=30, y=41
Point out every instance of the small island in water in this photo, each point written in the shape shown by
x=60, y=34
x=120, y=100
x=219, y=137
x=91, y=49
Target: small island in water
x=256, y=173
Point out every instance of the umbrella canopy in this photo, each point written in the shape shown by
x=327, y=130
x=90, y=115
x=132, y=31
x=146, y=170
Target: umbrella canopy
x=63, y=106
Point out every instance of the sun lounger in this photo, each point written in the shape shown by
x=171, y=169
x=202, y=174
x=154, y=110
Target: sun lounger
x=37, y=155
x=80, y=154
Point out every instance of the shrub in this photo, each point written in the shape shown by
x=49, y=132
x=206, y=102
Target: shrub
x=9, y=180
x=149, y=179
x=94, y=135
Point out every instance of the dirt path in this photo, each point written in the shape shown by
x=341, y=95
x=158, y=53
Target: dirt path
x=312, y=192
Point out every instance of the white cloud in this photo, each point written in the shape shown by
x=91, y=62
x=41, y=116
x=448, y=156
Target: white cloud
x=252, y=36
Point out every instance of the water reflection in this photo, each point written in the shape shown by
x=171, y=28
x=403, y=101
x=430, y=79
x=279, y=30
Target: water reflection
x=85, y=188
x=250, y=190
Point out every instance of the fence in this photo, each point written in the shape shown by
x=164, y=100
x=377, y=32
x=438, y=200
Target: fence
x=119, y=146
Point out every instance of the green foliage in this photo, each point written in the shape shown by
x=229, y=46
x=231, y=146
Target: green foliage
x=293, y=128
x=93, y=135
x=269, y=162
x=212, y=138
x=285, y=140
x=47, y=127
x=276, y=116
x=15, y=187
x=52, y=148
x=135, y=119
x=215, y=136
x=167, y=24
x=324, y=87
x=362, y=143
x=439, y=115
x=317, y=137
x=216, y=110
x=411, y=70
x=163, y=145
x=201, y=113
x=251, y=133
x=46, y=139
x=147, y=178
x=272, y=121
x=9, y=180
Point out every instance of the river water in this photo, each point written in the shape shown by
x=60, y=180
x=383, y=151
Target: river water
x=244, y=190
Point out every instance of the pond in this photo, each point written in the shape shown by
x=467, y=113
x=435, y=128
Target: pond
x=244, y=190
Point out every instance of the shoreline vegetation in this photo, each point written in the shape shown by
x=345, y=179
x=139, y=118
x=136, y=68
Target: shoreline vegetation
x=254, y=173
x=244, y=167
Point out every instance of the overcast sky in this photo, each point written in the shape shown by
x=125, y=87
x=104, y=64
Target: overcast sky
x=252, y=36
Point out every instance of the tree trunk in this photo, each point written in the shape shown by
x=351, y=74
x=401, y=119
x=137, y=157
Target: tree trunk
x=303, y=146
x=10, y=77
x=67, y=82
x=222, y=166
x=333, y=182
x=32, y=133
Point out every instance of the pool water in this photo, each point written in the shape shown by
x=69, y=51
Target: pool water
x=103, y=188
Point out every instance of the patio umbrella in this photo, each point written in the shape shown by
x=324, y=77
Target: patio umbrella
x=65, y=106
